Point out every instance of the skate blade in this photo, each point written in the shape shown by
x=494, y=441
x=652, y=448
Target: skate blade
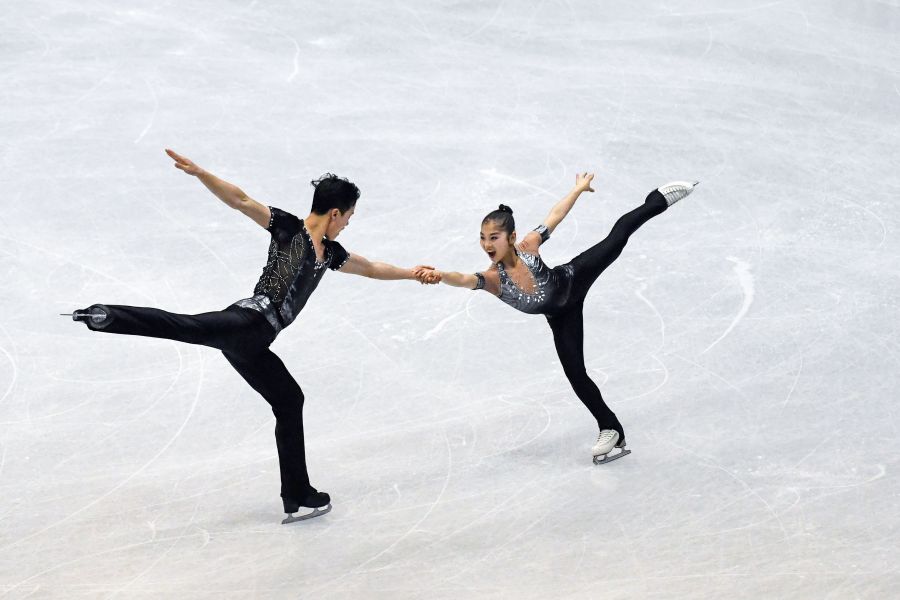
x=607, y=458
x=317, y=512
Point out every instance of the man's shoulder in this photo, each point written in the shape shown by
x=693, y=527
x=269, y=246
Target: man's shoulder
x=334, y=246
x=337, y=256
x=283, y=224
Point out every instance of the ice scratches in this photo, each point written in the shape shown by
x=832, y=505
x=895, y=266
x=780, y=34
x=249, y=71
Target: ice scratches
x=135, y=418
x=875, y=216
x=112, y=551
x=796, y=379
x=745, y=279
x=369, y=341
x=486, y=24
x=709, y=43
x=720, y=378
x=119, y=485
x=493, y=173
x=163, y=554
x=662, y=322
x=749, y=491
x=68, y=260
x=440, y=326
x=15, y=368
x=483, y=517
x=153, y=116
x=296, y=63
x=507, y=450
x=657, y=387
x=360, y=568
x=180, y=226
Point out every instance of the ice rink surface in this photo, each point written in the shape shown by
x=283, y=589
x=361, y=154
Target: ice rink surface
x=747, y=339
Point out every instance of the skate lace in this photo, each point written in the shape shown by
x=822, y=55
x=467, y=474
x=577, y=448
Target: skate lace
x=605, y=436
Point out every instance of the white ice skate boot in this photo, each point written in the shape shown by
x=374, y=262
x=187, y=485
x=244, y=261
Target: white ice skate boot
x=676, y=190
x=606, y=442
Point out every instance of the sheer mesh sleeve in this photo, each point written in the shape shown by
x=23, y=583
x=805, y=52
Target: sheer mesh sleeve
x=282, y=225
x=339, y=256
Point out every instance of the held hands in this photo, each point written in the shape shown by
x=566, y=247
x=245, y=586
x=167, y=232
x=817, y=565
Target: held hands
x=427, y=275
x=185, y=164
x=583, y=182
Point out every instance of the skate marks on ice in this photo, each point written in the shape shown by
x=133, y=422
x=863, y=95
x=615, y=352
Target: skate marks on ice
x=361, y=567
x=745, y=279
x=130, y=477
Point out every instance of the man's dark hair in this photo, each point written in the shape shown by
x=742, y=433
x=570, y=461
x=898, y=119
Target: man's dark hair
x=333, y=192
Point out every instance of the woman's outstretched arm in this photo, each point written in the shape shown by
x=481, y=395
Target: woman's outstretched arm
x=562, y=208
x=533, y=239
x=487, y=281
x=460, y=280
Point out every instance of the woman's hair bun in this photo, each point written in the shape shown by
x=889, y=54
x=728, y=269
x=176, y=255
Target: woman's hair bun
x=505, y=209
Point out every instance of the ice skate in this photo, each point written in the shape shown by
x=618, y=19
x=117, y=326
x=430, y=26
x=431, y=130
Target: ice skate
x=96, y=314
x=607, y=441
x=319, y=502
x=676, y=190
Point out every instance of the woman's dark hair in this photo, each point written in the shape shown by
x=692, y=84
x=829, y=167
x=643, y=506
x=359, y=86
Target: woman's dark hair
x=333, y=192
x=503, y=217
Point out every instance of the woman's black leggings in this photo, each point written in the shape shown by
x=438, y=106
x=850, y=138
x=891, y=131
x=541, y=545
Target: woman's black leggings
x=568, y=324
x=243, y=335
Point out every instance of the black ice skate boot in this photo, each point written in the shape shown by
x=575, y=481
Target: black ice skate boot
x=319, y=502
x=96, y=316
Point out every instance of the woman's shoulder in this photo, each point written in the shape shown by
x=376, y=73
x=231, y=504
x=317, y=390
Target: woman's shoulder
x=491, y=279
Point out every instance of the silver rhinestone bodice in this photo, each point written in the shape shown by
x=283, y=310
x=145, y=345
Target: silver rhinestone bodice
x=551, y=286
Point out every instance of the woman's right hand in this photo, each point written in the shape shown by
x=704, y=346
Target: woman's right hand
x=583, y=182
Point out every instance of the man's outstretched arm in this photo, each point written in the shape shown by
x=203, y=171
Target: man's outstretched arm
x=228, y=193
x=360, y=265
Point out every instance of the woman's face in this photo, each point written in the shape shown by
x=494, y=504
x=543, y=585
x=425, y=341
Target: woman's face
x=496, y=242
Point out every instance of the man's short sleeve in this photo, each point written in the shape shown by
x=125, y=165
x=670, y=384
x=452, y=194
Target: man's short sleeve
x=339, y=256
x=282, y=225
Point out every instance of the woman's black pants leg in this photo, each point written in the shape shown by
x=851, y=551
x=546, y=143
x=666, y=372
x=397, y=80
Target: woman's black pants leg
x=588, y=265
x=568, y=324
x=568, y=336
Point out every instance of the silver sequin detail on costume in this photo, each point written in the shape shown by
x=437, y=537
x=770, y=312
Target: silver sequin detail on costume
x=263, y=305
x=282, y=266
x=551, y=286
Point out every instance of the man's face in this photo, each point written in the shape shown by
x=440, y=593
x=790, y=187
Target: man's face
x=338, y=221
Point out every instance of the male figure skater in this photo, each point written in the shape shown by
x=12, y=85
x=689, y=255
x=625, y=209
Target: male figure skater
x=300, y=252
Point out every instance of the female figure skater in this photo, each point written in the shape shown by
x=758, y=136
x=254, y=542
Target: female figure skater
x=299, y=253
x=520, y=278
